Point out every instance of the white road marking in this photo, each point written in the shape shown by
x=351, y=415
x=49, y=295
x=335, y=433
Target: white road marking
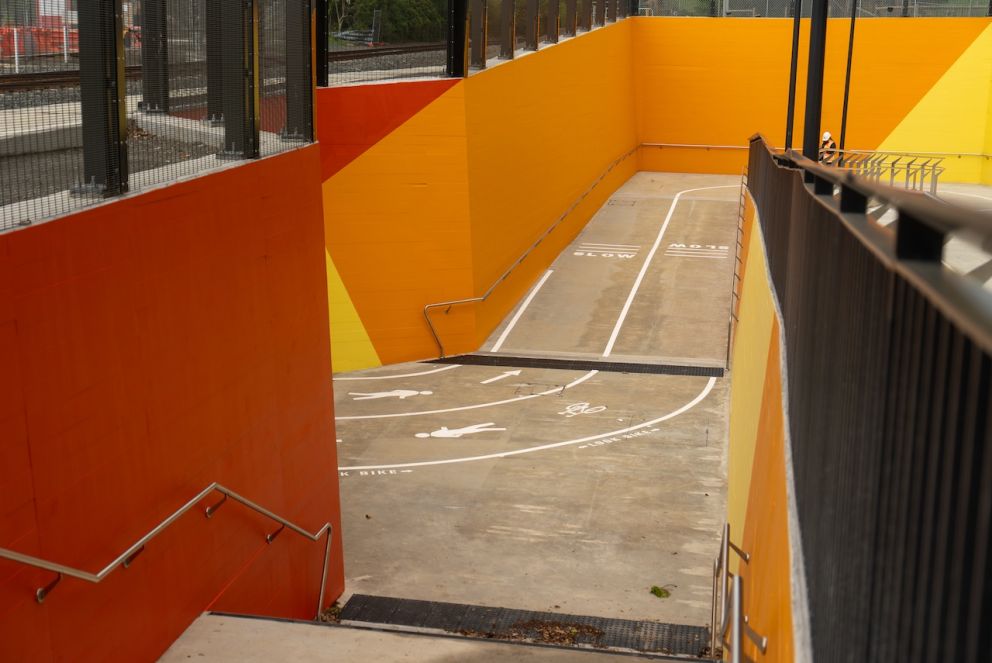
x=611, y=246
x=685, y=408
x=500, y=377
x=556, y=390
x=647, y=262
x=520, y=312
x=405, y=375
x=445, y=432
x=962, y=193
x=395, y=393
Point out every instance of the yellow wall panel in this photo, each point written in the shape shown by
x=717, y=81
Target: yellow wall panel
x=953, y=116
x=351, y=347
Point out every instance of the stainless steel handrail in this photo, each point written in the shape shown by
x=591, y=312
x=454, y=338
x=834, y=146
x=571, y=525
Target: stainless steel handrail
x=725, y=607
x=523, y=256
x=125, y=559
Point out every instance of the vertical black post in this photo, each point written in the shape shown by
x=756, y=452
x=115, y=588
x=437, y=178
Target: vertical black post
x=553, y=19
x=102, y=100
x=713, y=8
x=790, y=116
x=154, y=57
x=600, y=18
x=532, y=30
x=322, y=18
x=611, y=10
x=905, y=7
x=457, y=38
x=299, y=74
x=507, y=30
x=814, y=79
x=571, y=18
x=479, y=32
x=239, y=40
x=847, y=82
x=635, y=7
x=215, y=67
x=585, y=18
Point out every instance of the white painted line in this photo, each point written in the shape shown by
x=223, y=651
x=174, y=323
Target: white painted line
x=671, y=415
x=405, y=375
x=962, y=193
x=611, y=246
x=686, y=255
x=607, y=251
x=556, y=390
x=520, y=311
x=647, y=263
x=501, y=376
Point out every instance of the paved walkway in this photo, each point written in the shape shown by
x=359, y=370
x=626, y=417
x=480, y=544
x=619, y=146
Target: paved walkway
x=559, y=489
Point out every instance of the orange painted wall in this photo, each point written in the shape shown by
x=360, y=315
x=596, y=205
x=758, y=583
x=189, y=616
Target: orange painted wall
x=719, y=81
x=757, y=502
x=541, y=130
x=439, y=206
x=149, y=347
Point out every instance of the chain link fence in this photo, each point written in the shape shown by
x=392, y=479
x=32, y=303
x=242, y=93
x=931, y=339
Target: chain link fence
x=142, y=93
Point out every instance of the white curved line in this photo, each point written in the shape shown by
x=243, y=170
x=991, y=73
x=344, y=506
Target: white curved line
x=647, y=263
x=688, y=406
x=556, y=390
x=406, y=375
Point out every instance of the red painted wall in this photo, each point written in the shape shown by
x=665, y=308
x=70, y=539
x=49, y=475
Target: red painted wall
x=147, y=348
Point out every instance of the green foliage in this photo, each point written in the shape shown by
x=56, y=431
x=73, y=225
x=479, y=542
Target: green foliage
x=660, y=592
x=402, y=20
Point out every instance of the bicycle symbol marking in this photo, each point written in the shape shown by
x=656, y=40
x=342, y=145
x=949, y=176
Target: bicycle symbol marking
x=576, y=409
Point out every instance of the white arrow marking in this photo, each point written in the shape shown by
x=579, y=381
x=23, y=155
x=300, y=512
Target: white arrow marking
x=500, y=377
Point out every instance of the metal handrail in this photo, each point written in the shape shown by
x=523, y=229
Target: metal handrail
x=523, y=256
x=125, y=559
x=725, y=607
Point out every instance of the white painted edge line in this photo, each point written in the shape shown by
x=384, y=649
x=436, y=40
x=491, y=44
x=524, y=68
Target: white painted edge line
x=611, y=246
x=520, y=312
x=405, y=375
x=963, y=193
x=647, y=262
x=556, y=390
x=685, y=408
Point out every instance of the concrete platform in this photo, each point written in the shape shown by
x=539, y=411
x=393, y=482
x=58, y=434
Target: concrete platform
x=559, y=490
x=238, y=639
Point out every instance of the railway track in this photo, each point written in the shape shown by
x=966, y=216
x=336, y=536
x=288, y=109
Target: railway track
x=46, y=80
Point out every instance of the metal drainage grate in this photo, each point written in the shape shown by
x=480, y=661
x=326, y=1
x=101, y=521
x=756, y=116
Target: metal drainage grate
x=546, y=628
x=581, y=365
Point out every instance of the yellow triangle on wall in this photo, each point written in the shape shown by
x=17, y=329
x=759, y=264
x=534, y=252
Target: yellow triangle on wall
x=351, y=348
x=953, y=115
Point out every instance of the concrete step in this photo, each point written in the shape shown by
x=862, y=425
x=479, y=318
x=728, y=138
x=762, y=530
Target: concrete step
x=222, y=638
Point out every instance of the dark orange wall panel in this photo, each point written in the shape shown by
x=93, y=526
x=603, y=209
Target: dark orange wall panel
x=352, y=119
x=151, y=346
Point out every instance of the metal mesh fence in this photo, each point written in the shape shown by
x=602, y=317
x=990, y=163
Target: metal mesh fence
x=143, y=92
x=372, y=40
x=838, y=8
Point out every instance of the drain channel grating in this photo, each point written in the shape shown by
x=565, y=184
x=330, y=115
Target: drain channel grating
x=540, y=627
x=581, y=365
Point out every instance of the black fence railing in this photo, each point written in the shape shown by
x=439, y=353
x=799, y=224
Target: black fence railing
x=145, y=92
x=399, y=39
x=837, y=8
x=889, y=362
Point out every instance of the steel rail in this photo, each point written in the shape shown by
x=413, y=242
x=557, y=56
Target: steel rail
x=470, y=300
x=125, y=559
x=703, y=146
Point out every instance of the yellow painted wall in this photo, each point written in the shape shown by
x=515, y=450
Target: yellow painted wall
x=953, y=116
x=757, y=505
x=719, y=81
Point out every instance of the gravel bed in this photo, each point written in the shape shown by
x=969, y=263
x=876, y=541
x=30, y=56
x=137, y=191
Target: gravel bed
x=31, y=176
